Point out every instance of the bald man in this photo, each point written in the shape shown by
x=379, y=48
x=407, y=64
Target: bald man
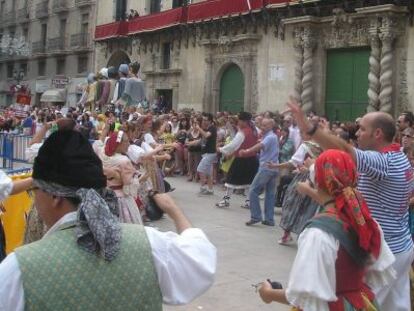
x=385, y=181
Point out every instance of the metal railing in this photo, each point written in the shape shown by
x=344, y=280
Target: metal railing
x=60, y=5
x=80, y=40
x=13, y=149
x=42, y=9
x=56, y=44
x=81, y=3
x=38, y=47
x=23, y=14
x=8, y=18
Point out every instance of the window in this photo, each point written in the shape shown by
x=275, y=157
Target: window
x=12, y=32
x=60, y=66
x=43, y=35
x=155, y=6
x=82, y=64
x=2, y=7
x=10, y=68
x=41, y=68
x=120, y=9
x=23, y=69
x=26, y=34
x=178, y=3
x=166, y=55
x=85, y=18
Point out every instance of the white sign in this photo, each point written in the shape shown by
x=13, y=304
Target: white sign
x=277, y=72
x=60, y=82
x=42, y=86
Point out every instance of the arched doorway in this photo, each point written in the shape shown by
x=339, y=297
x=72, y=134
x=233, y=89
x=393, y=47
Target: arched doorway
x=232, y=89
x=118, y=58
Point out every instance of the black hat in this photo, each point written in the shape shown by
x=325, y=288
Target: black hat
x=67, y=158
x=245, y=116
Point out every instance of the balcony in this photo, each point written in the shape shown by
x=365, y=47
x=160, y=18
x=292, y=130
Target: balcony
x=23, y=15
x=56, y=45
x=38, y=47
x=42, y=9
x=60, y=6
x=80, y=41
x=111, y=30
x=8, y=18
x=82, y=3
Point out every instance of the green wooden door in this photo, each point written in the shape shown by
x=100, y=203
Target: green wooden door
x=232, y=90
x=347, y=84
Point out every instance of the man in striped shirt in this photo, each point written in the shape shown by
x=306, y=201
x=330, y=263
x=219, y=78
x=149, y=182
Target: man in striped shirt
x=386, y=182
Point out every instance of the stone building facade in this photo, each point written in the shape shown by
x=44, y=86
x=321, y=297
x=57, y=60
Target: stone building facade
x=338, y=58
x=59, y=37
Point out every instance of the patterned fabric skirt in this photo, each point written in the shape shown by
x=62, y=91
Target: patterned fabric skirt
x=129, y=211
x=242, y=172
x=297, y=209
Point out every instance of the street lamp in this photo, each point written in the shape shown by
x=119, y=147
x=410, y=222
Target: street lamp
x=18, y=75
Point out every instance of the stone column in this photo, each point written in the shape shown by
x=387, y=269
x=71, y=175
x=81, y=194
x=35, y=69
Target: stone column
x=175, y=97
x=298, y=46
x=309, y=43
x=208, y=85
x=374, y=70
x=387, y=36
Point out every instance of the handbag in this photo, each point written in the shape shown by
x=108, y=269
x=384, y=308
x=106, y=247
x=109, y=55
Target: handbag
x=153, y=211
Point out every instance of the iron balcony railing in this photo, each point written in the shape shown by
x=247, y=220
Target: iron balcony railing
x=42, y=9
x=60, y=5
x=23, y=15
x=81, y=3
x=38, y=47
x=56, y=44
x=80, y=40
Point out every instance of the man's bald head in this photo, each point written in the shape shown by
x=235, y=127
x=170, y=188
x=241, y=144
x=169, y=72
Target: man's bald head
x=267, y=124
x=384, y=122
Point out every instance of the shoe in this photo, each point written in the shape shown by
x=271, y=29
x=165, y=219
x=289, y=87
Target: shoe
x=224, y=203
x=206, y=192
x=252, y=222
x=268, y=223
x=285, y=240
x=246, y=205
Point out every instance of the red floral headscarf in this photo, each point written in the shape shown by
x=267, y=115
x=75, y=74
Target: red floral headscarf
x=335, y=172
x=112, y=143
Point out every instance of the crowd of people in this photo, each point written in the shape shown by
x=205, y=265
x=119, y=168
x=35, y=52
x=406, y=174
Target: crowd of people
x=344, y=188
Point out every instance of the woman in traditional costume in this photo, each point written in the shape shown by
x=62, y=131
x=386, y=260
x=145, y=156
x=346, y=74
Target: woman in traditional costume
x=244, y=167
x=342, y=255
x=112, y=153
x=296, y=208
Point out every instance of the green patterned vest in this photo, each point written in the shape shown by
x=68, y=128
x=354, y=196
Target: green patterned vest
x=58, y=275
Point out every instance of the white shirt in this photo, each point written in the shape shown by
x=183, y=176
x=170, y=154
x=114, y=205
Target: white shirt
x=234, y=145
x=32, y=151
x=180, y=260
x=312, y=280
x=6, y=186
x=294, y=135
x=135, y=153
x=149, y=139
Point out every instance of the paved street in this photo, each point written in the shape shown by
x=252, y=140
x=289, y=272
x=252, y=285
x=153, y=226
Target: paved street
x=246, y=255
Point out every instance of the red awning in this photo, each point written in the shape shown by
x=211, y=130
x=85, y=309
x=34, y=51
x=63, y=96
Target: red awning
x=193, y=13
x=156, y=21
x=111, y=30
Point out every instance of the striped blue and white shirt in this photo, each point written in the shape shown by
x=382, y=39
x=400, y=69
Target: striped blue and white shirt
x=386, y=183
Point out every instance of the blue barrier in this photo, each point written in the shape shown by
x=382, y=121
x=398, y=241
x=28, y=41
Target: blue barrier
x=13, y=149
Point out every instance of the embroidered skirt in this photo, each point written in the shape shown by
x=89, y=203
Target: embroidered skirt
x=242, y=172
x=297, y=209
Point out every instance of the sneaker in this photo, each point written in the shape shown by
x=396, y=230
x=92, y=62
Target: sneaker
x=268, y=223
x=246, y=205
x=224, y=203
x=205, y=191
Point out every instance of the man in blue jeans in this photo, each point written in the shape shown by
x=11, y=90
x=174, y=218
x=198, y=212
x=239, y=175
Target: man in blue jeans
x=265, y=178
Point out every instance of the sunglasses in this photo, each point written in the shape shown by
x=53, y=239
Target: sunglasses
x=31, y=191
